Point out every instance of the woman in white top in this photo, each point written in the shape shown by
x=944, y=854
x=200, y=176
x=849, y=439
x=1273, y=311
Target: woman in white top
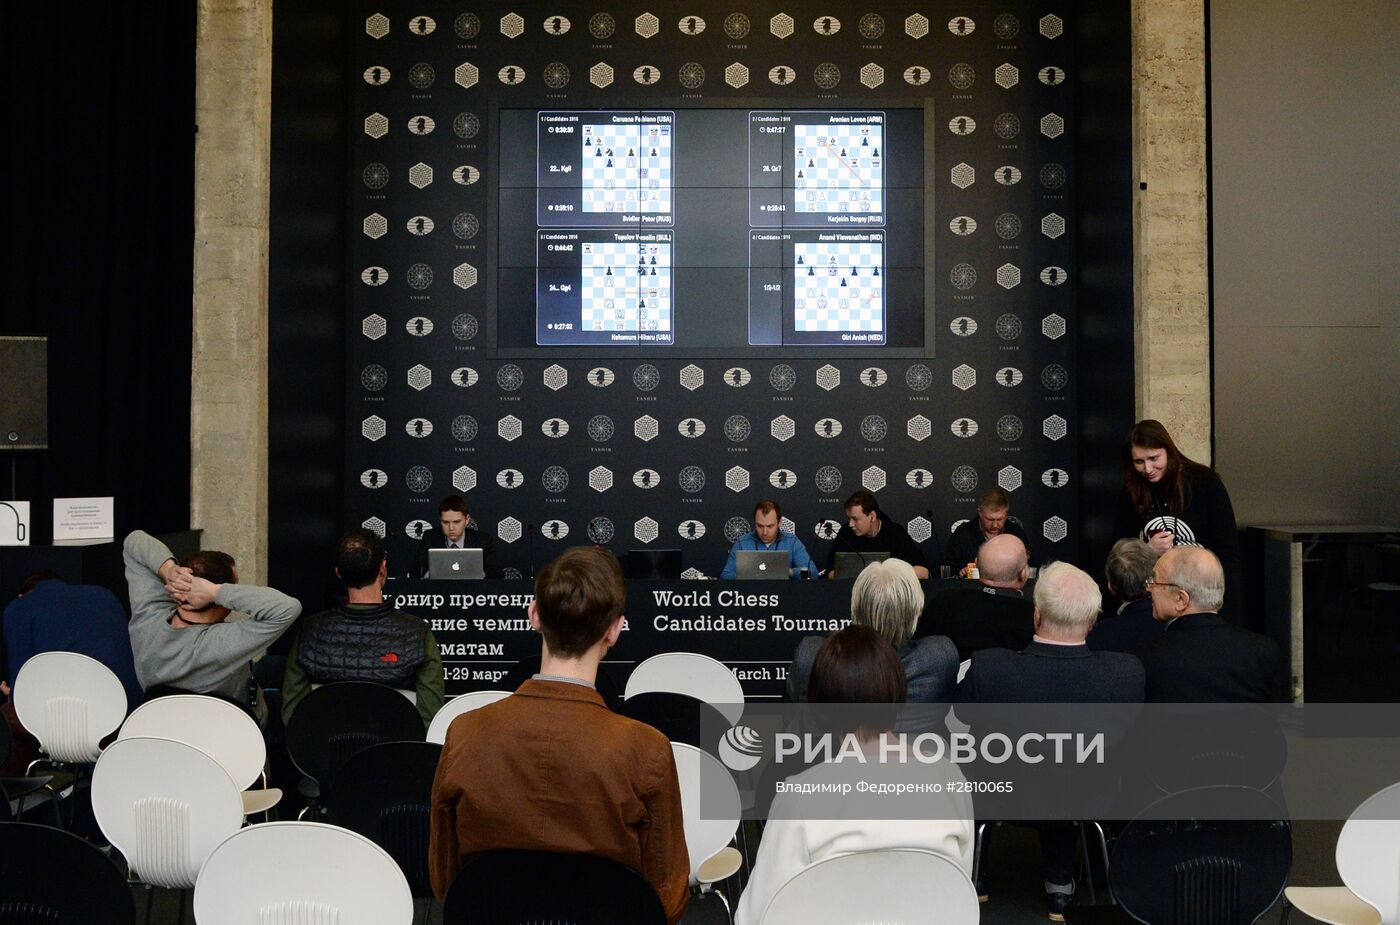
x=809, y=824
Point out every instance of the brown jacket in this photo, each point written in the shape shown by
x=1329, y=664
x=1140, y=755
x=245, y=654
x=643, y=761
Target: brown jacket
x=551, y=768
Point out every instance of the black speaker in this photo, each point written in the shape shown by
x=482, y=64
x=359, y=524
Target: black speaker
x=24, y=393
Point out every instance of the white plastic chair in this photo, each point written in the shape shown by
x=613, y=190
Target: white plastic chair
x=216, y=727
x=165, y=805
x=898, y=886
x=289, y=873
x=1368, y=858
x=710, y=803
x=695, y=675
x=70, y=703
x=462, y=703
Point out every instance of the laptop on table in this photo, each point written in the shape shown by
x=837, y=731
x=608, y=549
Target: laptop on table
x=851, y=564
x=751, y=564
x=456, y=564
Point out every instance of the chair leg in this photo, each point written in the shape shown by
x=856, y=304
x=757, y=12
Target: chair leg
x=150, y=902
x=1287, y=911
x=1103, y=856
x=978, y=841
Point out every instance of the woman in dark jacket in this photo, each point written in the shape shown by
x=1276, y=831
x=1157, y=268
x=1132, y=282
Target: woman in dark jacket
x=1170, y=500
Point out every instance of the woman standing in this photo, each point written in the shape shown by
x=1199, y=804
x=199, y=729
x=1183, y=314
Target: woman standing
x=1170, y=500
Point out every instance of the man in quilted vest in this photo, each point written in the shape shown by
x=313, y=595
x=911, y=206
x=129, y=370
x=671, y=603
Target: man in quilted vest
x=364, y=638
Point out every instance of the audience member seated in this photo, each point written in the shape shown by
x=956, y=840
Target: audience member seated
x=365, y=638
x=551, y=768
x=888, y=598
x=855, y=665
x=1200, y=658
x=1128, y=568
x=1057, y=667
x=995, y=615
x=993, y=519
x=50, y=615
x=194, y=628
x=870, y=530
x=767, y=534
x=456, y=529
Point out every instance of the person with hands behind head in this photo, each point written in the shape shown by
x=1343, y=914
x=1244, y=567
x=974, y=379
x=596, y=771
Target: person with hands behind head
x=194, y=628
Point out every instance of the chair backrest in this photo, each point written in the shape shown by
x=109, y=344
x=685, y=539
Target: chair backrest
x=463, y=703
x=1368, y=852
x=710, y=803
x=690, y=673
x=165, y=805
x=386, y=794
x=338, y=720
x=289, y=873
x=540, y=886
x=680, y=717
x=69, y=702
x=898, y=886
x=1206, y=855
x=213, y=725
x=48, y=875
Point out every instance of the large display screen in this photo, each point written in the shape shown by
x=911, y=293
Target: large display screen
x=731, y=229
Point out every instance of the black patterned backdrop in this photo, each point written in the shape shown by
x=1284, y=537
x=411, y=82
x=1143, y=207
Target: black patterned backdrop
x=657, y=447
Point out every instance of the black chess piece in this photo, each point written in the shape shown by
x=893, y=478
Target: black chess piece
x=601, y=377
x=646, y=479
x=962, y=325
x=554, y=427
x=374, y=276
x=418, y=427
x=1054, y=275
x=422, y=24
x=690, y=427
x=1010, y=377
x=962, y=25
x=962, y=225
x=690, y=25
x=376, y=75
x=373, y=479
x=555, y=25
x=418, y=325
x=963, y=427
x=918, y=480
x=421, y=224
x=510, y=478
x=418, y=529
x=874, y=378
x=1006, y=175
x=826, y=25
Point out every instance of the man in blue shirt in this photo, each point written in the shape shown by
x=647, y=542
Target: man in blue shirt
x=766, y=535
x=53, y=616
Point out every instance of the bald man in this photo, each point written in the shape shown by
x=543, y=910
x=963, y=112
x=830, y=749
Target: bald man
x=1200, y=658
x=993, y=613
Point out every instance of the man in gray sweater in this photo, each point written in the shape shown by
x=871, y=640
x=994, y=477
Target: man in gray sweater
x=193, y=628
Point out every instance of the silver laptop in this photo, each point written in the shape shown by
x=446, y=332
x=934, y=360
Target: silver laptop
x=456, y=563
x=851, y=564
x=762, y=563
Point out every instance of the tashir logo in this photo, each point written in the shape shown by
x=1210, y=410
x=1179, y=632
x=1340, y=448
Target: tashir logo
x=740, y=748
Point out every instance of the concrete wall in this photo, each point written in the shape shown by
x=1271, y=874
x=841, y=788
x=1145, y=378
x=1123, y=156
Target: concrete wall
x=1305, y=102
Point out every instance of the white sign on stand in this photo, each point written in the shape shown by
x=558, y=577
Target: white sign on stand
x=14, y=523
x=82, y=519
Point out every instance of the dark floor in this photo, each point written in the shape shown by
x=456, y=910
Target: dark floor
x=1014, y=882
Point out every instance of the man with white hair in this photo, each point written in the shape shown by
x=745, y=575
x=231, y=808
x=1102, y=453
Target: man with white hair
x=1057, y=667
x=1201, y=658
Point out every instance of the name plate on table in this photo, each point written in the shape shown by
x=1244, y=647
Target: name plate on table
x=82, y=519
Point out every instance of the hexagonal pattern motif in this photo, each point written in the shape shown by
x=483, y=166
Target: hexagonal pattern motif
x=919, y=529
x=1009, y=478
x=782, y=428
x=828, y=377
x=736, y=75
x=373, y=428
x=1053, y=326
x=600, y=478
x=1055, y=427
x=556, y=377
x=781, y=25
x=508, y=530
x=646, y=428
x=600, y=74
x=509, y=428
x=1007, y=76
x=1055, y=529
x=464, y=478
x=420, y=377
x=1008, y=276
x=692, y=377
x=1052, y=225
x=736, y=479
x=919, y=428
x=464, y=276
x=916, y=26
x=1051, y=125
x=375, y=526
x=964, y=176
x=1051, y=26
x=376, y=125
x=646, y=530
x=420, y=175
x=374, y=327
x=964, y=377
x=377, y=26
x=872, y=75
x=466, y=75
x=375, y=226
x=873, y=478
x=647, y=25
x=512, y=25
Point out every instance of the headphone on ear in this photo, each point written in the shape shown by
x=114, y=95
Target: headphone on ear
x=19, y=526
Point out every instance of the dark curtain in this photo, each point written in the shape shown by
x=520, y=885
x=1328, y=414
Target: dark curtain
x=99, y=199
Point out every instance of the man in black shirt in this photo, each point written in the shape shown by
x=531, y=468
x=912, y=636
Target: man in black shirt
x=993, y=614
x=993, y=519
x=868, y=530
